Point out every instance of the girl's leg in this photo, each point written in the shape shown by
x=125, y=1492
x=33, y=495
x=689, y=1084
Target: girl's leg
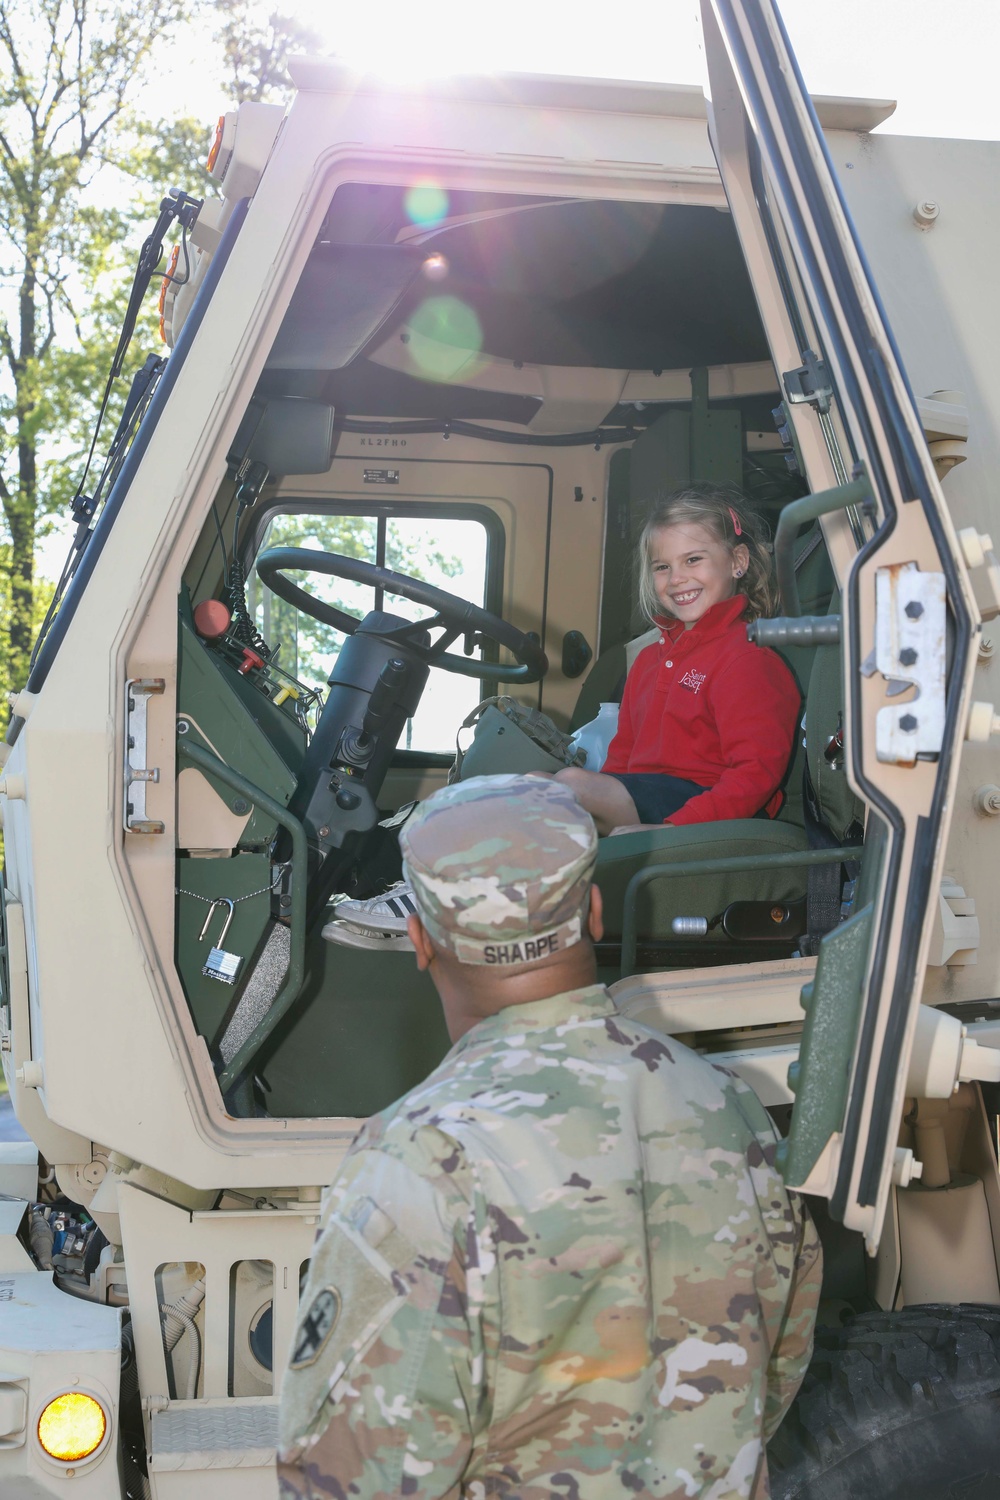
x=607, y=801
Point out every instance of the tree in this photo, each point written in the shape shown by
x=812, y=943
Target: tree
x=256, y=47
x=68, y=72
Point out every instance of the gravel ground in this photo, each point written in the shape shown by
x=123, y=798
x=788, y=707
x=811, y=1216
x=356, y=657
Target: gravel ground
x=10, y=1130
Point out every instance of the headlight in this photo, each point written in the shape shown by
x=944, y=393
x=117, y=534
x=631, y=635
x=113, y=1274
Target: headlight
x=72, y=1426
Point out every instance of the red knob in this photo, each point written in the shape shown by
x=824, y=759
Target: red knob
x=250, y=662
x=212, y=619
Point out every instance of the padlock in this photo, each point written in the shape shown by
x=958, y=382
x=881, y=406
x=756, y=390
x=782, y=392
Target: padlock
x=219, y=964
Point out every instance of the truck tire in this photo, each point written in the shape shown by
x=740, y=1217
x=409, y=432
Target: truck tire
x=896, y=1406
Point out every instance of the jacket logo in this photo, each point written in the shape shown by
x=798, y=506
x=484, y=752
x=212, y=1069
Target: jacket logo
x=693, y=680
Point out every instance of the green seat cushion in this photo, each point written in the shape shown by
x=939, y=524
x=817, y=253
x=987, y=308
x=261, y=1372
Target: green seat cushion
x=619, y=858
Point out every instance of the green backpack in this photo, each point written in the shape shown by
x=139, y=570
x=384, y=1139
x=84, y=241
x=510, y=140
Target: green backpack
x=509, y=740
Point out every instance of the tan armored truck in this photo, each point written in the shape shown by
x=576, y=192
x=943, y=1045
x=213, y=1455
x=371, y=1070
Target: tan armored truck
x=431, y=353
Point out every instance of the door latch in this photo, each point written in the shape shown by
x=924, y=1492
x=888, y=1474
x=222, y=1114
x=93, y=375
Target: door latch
x=810, y=384
x=138, y=691
x=910, y=618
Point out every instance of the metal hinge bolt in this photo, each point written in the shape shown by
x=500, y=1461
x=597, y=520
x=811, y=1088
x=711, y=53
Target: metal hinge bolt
x=984, y=721
x=986, y=801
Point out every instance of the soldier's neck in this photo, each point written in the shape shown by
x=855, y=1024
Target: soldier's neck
x=471, y=993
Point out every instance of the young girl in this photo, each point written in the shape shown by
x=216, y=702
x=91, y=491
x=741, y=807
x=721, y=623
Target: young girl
x=707, y=720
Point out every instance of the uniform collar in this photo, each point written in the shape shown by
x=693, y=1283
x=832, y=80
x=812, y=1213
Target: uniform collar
x=712, y=623
x=541, y=1015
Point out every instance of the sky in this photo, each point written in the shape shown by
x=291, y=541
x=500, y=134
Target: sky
x=938, y=60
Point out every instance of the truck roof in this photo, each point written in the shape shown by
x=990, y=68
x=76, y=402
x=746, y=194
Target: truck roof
x=614, y=95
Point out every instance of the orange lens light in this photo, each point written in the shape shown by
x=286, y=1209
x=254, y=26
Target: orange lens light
x=72, y=1427
x=171, y=268
x=216, y=147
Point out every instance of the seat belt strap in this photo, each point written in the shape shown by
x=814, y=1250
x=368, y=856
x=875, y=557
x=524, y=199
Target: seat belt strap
x=823, y=901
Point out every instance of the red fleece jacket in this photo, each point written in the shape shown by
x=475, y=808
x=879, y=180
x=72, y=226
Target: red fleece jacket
x=708, y=706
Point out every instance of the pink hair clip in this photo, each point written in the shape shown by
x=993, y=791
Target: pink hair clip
x=736, y=523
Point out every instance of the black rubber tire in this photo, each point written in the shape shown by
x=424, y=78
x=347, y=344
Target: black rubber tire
x=896, y=1406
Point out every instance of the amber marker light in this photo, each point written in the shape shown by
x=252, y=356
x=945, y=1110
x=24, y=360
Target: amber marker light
x=216, y=147
x=72, y=1427
x=165, y=284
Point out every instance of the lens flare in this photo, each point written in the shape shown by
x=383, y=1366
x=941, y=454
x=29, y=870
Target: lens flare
x=426, y=203
x=445, y=338
x=435, y=267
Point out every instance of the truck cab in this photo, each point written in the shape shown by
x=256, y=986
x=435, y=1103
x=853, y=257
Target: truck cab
x=429, y=356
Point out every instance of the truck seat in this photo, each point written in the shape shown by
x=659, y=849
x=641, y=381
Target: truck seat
x=707, y=895
x=618, y=860
x=658, y=903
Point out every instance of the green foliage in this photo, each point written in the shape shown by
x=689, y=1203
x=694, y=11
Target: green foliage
x=68, y=70
x=256, y=45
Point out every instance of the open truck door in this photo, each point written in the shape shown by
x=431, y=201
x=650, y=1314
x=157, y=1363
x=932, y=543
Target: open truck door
x=909, y=621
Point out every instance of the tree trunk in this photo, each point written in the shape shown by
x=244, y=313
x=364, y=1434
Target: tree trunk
x=21, y=513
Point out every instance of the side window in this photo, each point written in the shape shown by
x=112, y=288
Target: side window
x=455, y=552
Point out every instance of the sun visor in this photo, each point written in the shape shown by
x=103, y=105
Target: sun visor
x=287, y=435
x=345, y=295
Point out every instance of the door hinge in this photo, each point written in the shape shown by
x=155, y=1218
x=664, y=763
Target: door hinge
x=910, y=622
x=810, y=384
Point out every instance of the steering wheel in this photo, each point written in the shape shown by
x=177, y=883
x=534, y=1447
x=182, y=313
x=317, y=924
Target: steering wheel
x=455, y=616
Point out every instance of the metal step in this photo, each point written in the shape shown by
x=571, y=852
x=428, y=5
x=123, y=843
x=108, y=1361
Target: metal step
x=222, y=1434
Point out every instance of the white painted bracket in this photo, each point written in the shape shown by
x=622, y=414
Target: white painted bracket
x=910, y=652
x=944, y=1056
x=984, y=570
x=905, y=1167
x=31, y=1074
x=955, y=932
x=945, y=419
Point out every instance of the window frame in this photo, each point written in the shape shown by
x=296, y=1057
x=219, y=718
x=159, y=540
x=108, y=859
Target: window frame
x=382, y=511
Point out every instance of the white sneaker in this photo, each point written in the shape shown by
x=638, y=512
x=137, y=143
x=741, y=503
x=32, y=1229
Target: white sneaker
x=378, y=923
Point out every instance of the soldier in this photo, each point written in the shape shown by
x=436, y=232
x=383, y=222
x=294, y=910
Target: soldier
x=564, y=1265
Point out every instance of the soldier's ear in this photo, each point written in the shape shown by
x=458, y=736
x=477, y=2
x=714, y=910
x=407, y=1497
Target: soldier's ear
x=421, y=942
x=595, y=917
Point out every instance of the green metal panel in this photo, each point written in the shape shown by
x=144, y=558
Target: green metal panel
x=240, y=725
x=716, y=437
x=617, y=584
x=661, y=462
x=366, y=1028
x=291, y=985
x=820, y=1077
x=210, y=880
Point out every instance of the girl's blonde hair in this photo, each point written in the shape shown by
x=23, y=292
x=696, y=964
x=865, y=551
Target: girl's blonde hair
x=723, y=512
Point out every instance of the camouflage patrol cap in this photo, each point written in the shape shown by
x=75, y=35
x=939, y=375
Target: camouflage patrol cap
x=501, y=868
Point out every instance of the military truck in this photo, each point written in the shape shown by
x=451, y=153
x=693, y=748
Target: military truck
x=430, y=353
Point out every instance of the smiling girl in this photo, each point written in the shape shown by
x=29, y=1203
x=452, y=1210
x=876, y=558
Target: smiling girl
x=707, y=719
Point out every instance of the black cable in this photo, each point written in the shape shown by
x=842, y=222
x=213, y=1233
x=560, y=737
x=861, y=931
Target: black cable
x=598, y=437
x=243, y=628
x=222, y=540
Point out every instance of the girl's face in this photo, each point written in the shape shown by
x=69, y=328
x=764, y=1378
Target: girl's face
x=692, y=570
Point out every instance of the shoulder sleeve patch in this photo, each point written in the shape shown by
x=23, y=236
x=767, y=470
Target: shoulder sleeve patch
x=350, y=1295
x=322, y=1317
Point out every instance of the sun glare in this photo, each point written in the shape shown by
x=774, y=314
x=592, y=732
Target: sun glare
x=408, y=44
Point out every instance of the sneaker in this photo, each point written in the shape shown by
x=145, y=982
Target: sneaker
x=378, y=923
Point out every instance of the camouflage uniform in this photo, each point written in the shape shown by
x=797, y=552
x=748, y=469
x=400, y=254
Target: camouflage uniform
x=562, y=1266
